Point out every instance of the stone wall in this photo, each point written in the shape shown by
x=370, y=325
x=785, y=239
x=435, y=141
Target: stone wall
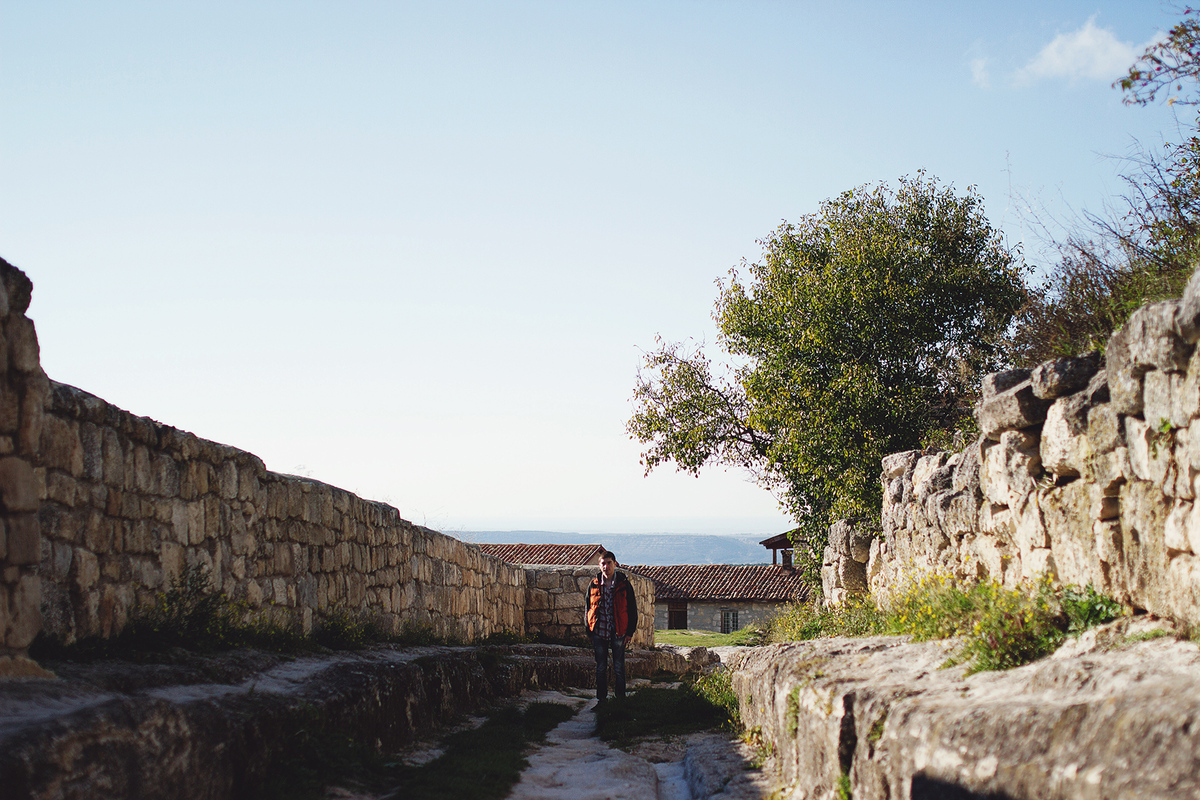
x=1111, y=715
x=23, y=388
x=127, y=503
x=1087, y=469
x=555, y=598
x=100, y=510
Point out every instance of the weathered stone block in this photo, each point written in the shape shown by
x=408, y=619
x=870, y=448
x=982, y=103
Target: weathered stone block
x=1013, y=409
x=24, y=355
x=1160, y=399
x=24, y=612
x=1187, y=313
x=60, y=447
x=997, y=382
x=23, y=535
x=1150, y=450
x=1149, y=339
x=18, y=485
x=897, y=464
x=1175, y=534
x=1011, y=467
x=1063, y=376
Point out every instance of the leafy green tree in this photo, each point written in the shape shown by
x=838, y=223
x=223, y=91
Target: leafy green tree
x=862, y=330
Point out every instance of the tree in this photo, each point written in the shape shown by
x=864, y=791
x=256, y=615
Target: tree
x=862, y=330
x=1146, y=244
x=1167, y=66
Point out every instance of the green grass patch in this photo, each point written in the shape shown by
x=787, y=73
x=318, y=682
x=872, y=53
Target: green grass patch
x=747, y=636
x=483, y=763
x=653, y=712
x=999, y=628
x=1146, y=636
x=486, y=762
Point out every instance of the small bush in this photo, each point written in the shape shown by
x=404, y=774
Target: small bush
x=1000, y=628
x=342, y=630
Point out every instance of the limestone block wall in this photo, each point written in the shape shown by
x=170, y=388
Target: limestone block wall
x=127, y=502
x=555, y=599
x=844, y=562
x=1087, y=469
x=22, y=391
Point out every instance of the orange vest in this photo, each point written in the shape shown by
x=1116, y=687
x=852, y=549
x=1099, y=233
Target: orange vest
x=624, y=605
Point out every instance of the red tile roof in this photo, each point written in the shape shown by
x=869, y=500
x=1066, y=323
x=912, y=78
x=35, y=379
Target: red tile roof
x=571, y=555
x=724, y=582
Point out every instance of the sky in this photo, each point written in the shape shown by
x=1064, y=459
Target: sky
x=417, y=249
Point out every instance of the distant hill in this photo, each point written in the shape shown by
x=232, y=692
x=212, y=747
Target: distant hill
x=658, y=549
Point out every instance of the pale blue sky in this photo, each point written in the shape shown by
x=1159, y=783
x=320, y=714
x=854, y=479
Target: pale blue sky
x=415, y=249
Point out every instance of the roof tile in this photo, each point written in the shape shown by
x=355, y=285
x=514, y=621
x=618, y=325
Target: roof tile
x=572, y=555
x=725, y=582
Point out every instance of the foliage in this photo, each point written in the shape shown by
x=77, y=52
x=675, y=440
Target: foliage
x=656, y=711
x=716, y=686
x=747, y=637
x=857, y=616
x=1168, y=64
x=863, y=329
x=1142, y=251
x=999, y=628
x=1143, y=248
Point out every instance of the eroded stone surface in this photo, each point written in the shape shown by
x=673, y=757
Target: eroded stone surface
x=1089, y=724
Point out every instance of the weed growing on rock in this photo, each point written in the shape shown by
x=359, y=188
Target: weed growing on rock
x=842, y=792
x=793, y=711
x=716, y=686
x=857, y=616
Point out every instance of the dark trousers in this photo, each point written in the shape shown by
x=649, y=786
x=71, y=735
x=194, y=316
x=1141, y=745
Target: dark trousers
x=602, y=646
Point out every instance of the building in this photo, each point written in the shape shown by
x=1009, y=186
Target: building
x=566, y=555
x=720, y=597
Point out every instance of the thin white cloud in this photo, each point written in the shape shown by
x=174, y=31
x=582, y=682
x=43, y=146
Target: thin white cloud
x=979, y=73
x=1090, y=53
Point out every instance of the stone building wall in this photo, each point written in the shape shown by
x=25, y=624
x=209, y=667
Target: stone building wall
x=1087, y=469
x=556, y=596
x=23, y=388
x=705, y=615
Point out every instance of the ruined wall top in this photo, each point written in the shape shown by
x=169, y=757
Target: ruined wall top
x=1087, y=470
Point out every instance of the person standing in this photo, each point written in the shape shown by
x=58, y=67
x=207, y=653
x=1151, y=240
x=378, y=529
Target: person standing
x=611, y=622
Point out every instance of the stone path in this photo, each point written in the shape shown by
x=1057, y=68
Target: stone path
x=574, y=764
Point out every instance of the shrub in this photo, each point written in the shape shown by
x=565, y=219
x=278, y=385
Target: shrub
x=1000, y=628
